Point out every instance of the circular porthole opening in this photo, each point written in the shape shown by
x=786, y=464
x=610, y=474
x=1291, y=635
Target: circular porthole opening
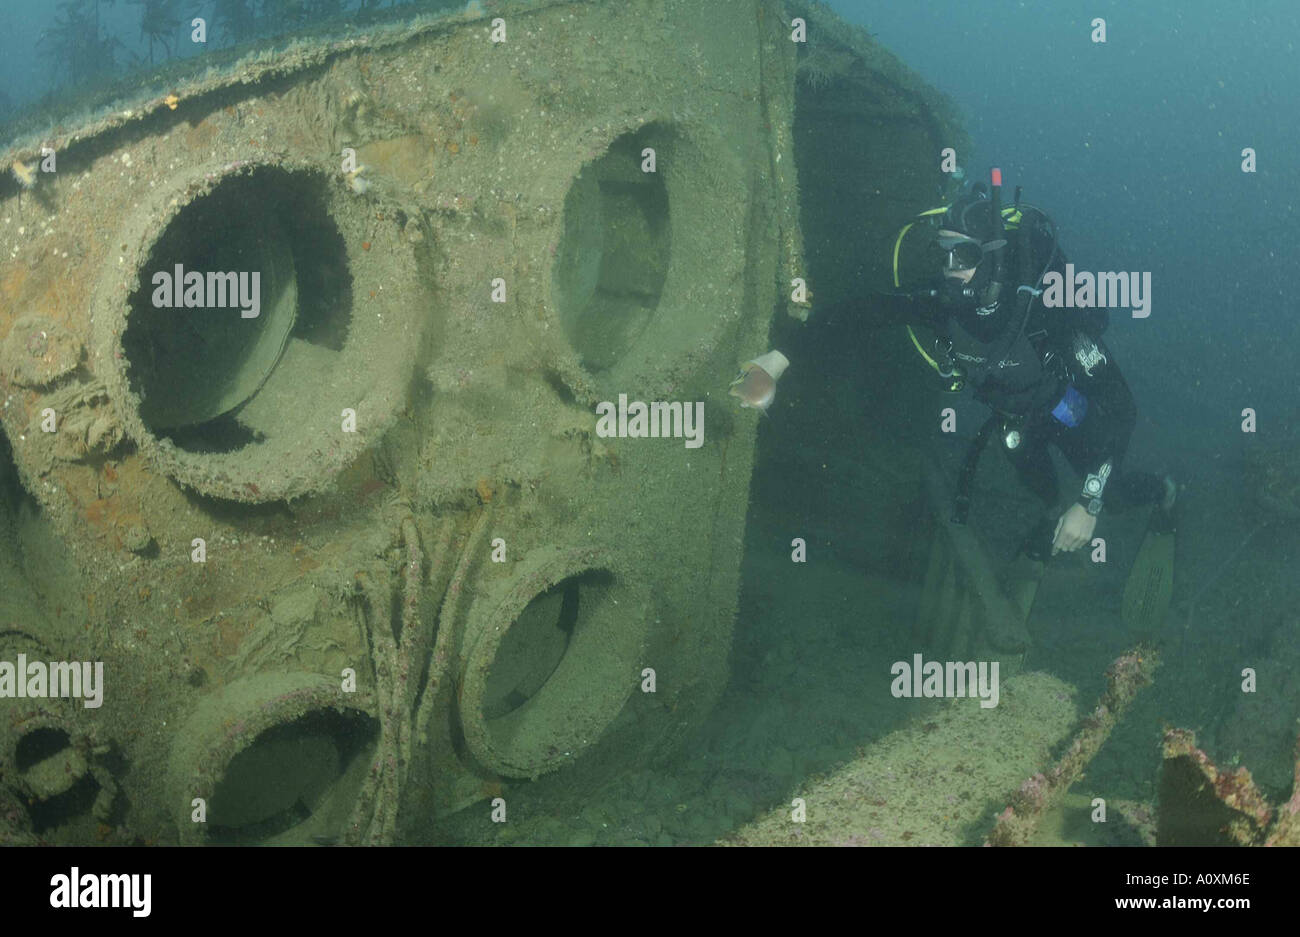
x=552, y=665
x=39, y=746
x=536, y=643
x=293, y=777
x=54, y=778
x=245, y=292
x=612, y=260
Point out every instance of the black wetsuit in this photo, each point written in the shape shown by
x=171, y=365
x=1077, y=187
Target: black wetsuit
x=1056, y=383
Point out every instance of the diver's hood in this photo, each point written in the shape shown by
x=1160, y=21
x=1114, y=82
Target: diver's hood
x=972, y=215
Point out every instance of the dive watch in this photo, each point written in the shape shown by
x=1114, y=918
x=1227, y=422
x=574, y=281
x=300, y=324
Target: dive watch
x=1093, y=486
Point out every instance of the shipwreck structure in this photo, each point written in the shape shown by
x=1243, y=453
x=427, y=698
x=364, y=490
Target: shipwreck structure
x=359, y=559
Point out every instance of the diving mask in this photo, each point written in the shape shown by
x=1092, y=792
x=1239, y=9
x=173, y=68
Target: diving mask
x=962, y=252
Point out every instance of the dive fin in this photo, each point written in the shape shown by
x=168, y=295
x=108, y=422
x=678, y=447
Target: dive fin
x=1020, y=586
x=1150, y=586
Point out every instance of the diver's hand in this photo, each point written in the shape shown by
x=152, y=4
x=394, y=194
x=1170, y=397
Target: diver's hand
x=1073, y=530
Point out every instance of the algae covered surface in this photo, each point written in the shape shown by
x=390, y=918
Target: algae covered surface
x=375, y=565
x=938, y=783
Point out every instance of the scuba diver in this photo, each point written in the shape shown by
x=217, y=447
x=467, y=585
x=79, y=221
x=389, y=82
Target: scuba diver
x=1044, y=372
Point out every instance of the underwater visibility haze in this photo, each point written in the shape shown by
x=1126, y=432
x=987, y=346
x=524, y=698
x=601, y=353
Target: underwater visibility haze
x=573, y=422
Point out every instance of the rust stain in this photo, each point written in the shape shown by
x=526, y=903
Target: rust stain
x=11, y=284
x=405, y=159
x=202, y=134
x=98, y=512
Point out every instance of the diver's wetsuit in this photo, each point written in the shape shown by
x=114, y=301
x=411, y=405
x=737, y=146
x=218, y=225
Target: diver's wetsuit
x=1101, y=436
x=1057, y=384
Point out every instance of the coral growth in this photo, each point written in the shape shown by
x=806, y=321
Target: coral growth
x=1202, y=805
x=25, y=174
x=1124, y=678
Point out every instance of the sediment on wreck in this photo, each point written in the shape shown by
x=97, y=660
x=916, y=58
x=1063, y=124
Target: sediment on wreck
x=1044, y=790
